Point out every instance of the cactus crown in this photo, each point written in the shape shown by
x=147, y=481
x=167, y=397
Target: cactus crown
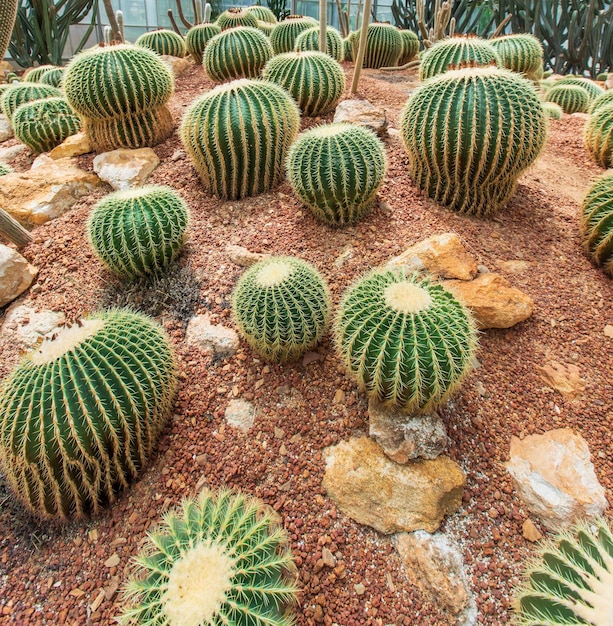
x=597, y=223
x=236, y=17
x=264, y=14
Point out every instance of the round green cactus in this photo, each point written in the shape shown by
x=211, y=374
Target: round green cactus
x=5, y=169
x=220, y=559
x=522, y=53
x=197, y=39
x=314, y=79
x=409, y=343
x=451, y=53
x=33, y=75
x=590, y=86
x=236, y=17
x=163, y=41
x=121, y=93
x=601, y=101
x=350, y=44
x=79, y=417
x=309, y=40
x=238, y=135
x=264, y=14
x=599, y=136
x=570, y=580
x=602, y=77
x=553, y=110
x=284, y=34
x=43, y=124
x=597, y=223
x=138, y=232
x=470, y=133
x=410, y=46
x=20, y=93
x=266, y=27
x=383, y=46
x=570, y=98
x=281, y=306
x=336, y=169
x=240, y=52
x=53, y=77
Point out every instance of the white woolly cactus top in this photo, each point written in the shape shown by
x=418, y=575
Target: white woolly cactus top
x=274, y=274
x=407, y=297
x=65, y=341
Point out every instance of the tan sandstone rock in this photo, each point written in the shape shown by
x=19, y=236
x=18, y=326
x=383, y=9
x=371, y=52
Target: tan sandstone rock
x=16, y=274
x=565, y=378
x=124, y=168
x=243, y=257
x=214, y=339
x=363, y=113
x=176, y=65
x=28, y=326
x=72, y=146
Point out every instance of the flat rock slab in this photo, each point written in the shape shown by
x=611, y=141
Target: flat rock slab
x=213, y=339
x=72, y=146
x=565, y=378
x=29, y=326
x=363, y=113
x=124, y=168
x=240, y=414
x=176, y=65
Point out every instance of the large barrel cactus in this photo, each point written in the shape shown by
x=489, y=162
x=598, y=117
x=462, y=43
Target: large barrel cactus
x=601, y=101
x=20, y=93
x=336, y=169
x=284, y=34
x=165, y=42
x=220, y=559
x=236, y=17
x=138, y=231
x=238, y=135
x=409, y=343
x=314, y=79
x=240, y=52
x=383, y=46
x=308, y=40
x=570, y=98
x=450, y=53
x=281, y=306
x=590, y=86
x=79, y=417
x=410, y=46
x=121, y=93
x=53, y=76
x=8, y=13
x=263, y=14
x=597, y=223
x=43, y=124
x=197, y=39
x=470, y=133
x=599, y=136
x=522, y=53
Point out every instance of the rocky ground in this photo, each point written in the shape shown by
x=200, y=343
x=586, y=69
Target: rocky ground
x=350, y=574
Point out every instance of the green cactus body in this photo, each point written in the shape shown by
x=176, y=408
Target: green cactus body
x=43, y=124
x=599, y=136
x=8, y=13
x=240, y=52
x=138, y=232
x=409, y=343
x=590, y=86
x=336, y=169
x=53, y=77
x=264, y=14
x=308, y=40
x=597, y=223
x=570, y=580
x=350, y=44
x=602, y=77
x=20, y=93
x=469, y=134
x=284, y=34
x=552, y=110
x=314, y=79
x=121, y=93
x=165, y=42
x=238, y=135
x=265, y=27
x=601, y=101
x=236, y=17
x=5, y=169
x=450, y=53
x=522, y=53
x=410, y=46
x=220, y=559
x=281, y=306
x=79, y=417
x=571, y=98
x=383, y=46
x=33, y=75
x=198, y=37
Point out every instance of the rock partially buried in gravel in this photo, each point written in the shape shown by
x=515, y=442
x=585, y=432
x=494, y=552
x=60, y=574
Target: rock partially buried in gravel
x=373, y=490
x=564, y=378
x=124, y=168
x=213, y=339
x=555, y=478
x=530, y=532
x=73, y=146
x=176, y=65
x=243, y=257
x=11, y=152
x=29, y=326
x=6, y=130
x=363, y=113
x=406, y=437
x=494, y=302
x=16, y=274
x=240, y=414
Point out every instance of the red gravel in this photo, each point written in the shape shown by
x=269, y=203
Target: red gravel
x=52, y=575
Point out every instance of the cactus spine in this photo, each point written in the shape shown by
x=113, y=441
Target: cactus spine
x=220, y=559
x=80, y=416
x=8, y=13
x=590, y=86
x=165, y=42
x=284, y=34
x=43, y=124
x=410, y=46
x=264, y=14
x=453, y=52
x=409, y=343
x=336, y=169
x=138, y=232
x=20, y=93
x=383, y=46
x=198, y=37
x=601, y=101
x=599, y=136
x=521, y=53
x=308, y=40
x=238, y=135
x=552, y=110
x=52, y=77
x=314, y=79
x=470, y=160
x=236, y=17
x=281, y=306
x=240, y=52
x=570, y=98
x=597, y=223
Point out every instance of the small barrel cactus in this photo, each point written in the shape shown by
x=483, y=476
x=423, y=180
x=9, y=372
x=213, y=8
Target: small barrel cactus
x=451, y=53
x=314, y=79
x=121, y=92
x=408, y=342
x=266, y=27
x=599, y=136
x=240, y=52
x=197, y=39
x=236, y=17
x=238, y=136
x=470, y=159
x=590, y=86
x=281, y=306
x=570, y=580
x=20, y=93
x=43, y=124
x=284, y=34
x=79, y=417
x=5, y=169
x=350, y=45
x=165, y=42
x=33, y=75
x=570, y=98
x=219, y=559
x=53, y=77
x=597, y=223
x=309, y=40
x=410, y=46
x=383, y=46
x=336, y=169
x=138, y=231
x=264, y=14
x=552, y=110
x=601, y=101
x=521, y=53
